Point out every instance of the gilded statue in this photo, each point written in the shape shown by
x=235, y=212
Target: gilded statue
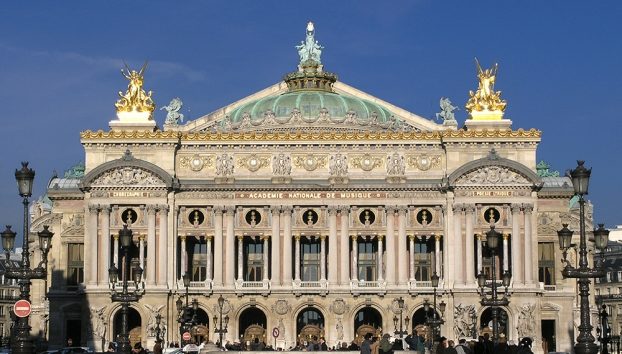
x=135, y=99
x=486, y=98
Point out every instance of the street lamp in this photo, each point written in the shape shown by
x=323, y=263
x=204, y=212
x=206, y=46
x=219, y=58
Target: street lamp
x=402, y=331
x=21, y=343
x=222, y=325
x=492, y=241
x=158, y=330
x=604, y=330
x=185, y=317
x=435, y=322
x=125, y=296
x=580, y=181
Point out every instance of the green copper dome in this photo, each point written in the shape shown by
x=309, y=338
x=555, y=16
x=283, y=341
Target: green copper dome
x=311, y=104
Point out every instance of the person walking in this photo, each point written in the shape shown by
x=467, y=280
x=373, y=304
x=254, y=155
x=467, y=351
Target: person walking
x=385, y=345
x=366, y=344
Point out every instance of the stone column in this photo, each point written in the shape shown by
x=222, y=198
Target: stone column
x=286, y=214
x=115, y=257
x=208, y=258
x=141, y=250
x=183, y=255
x=506, y=265
x=517, y=259
x=265, y=259
x=150, y=272
x=218, y=246
x=332, y=246
x=480, y=239
x=402, y=250
x=276, y=246
x=379, y=259
x=229, y=247
x=460, y=268
x=105, y=253
x=344, y=247
x=91, y=243
x=322, y=258
x=240, y=258
x=297, y=260
x=470, y=277
x=411, y=240
x=162, y=246
x=391, y=254
x=529, y=257
x=354, y=265
x=437, y=255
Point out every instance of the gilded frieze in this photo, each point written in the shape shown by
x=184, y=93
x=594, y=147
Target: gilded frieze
x=366, y=162
x=196, y=162
x=253, y=162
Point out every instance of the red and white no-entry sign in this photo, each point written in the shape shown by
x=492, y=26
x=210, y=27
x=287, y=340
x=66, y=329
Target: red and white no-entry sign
x=21, y=308
x=186, y=336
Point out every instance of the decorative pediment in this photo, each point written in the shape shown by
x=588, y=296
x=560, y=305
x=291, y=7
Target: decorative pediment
x=127, y=172
x=493, y=171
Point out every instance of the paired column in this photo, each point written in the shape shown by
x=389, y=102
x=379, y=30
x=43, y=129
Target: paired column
x=354, y=264
x=105, y=253
x=297, y=260
x=218, y=246
x=332, y=246
x=460, y=267
x=151, y=243
x=391, y=254
x=528, y=245
x=402, y=251
x=469, y=217
x=162, y=246
x=91, y=245
x=379, y=259
x=344, y=247
x=286, y=218
x=517, y=259
x=322, y=258
x=276, y=246
x=229, y=247
x=240, y=258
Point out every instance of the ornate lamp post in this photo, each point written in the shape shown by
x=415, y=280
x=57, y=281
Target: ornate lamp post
x=402, y=331
x=222, y=322
x=125, y=296
x=580, y=181
x=435, y=322
x=21, y=342
x=185, y=317
x=492, y=241
x=158, y=330
x=604, y=330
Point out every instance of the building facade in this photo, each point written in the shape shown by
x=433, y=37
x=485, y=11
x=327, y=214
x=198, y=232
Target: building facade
x=312, y=208
x=9, y=293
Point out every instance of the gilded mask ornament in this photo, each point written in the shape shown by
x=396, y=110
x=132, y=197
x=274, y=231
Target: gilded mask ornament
x=195, y=162
x=310, y=162
x=366, y=162
x=253, y=162
x=424, y=162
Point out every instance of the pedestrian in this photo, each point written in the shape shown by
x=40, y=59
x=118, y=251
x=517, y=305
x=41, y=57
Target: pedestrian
x=375, y=345
x=157, y=348
x=366, y=344
x=385, y=345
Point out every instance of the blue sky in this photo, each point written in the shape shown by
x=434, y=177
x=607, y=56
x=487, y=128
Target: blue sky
x=560, y=68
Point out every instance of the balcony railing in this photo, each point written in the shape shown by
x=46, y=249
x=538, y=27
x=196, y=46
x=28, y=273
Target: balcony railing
x=367, y=286
x=252, y=287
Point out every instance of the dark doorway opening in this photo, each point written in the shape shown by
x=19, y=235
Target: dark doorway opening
x=548, y=336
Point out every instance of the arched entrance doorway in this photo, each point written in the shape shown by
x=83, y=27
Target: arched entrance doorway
x=485, y=322
x=419, y=322
x=367, y=320
x=309, y=324
x=200, y=331
x=133, y=326
x=252, y=325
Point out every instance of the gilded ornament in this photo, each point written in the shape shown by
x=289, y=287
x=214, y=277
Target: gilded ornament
x=195, y=162
x=486, y=103
x=310, y=162
x=135, y=99
x=253, y=162
x=366, y=162
x=424, y=162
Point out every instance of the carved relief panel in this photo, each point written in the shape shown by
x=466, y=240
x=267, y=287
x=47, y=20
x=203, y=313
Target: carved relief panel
x=312, y=218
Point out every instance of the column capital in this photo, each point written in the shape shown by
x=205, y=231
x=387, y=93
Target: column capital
x=344, y=209
x=380, y=237
x=141, y=237
x=115, y=237
x=528, y=208
x=480, y=237
x=469, y=208
x=287, y=209
x=105, y=208
x=437, y=237
x=218, y=209
x=332, y=210
x=457, y=208
x=240, y=237
x=230, y=210
x=151, y=209
x=94, y=208
x=412, y=237
x=275, y=209
x=353, y=237
x=209, y=237
x=515, y=207
x=390, y=209
x=182, y=237
x=506, y=237
x=264, y=238
x=323, y=237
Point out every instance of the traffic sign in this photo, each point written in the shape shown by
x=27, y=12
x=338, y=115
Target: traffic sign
x=186, y=336
x=275, y=332
x=21, y=308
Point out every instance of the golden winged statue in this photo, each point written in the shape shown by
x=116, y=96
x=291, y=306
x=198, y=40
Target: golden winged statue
x=486, y=99
x=135, y=99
